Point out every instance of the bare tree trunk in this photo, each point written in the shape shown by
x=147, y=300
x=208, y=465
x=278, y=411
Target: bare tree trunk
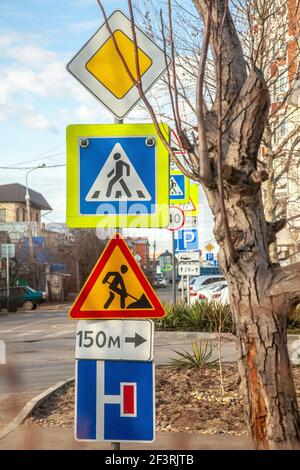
x=267, y=383
x=260, y=298
x=261, y=318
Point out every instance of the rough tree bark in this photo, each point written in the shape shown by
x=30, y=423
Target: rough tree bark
x=260, y=294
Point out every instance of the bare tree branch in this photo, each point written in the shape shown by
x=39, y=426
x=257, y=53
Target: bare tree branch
x=204, y=164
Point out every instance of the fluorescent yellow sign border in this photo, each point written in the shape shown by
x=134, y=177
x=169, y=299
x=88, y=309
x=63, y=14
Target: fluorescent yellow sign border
x=194, y=198
x=158, y=219
x=175, y=202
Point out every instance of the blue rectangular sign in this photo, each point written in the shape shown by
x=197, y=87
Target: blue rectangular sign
x=186, y=240
x=115, y=401
x=117, y=174
x=209, y=257
x=177, y=187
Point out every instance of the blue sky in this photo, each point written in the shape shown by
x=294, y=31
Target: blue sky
x=38, y=98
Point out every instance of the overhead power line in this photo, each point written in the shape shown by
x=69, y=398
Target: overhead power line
x=29, y=167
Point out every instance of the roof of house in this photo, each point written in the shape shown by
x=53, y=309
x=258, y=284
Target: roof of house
x=165, y=253
x=16, y=193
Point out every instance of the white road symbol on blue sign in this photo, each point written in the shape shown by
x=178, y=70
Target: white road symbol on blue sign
x=119, y=172
x=209, y=257
x=115, y=401
x=177, y=187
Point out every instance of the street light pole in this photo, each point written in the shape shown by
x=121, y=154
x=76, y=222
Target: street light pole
x=27, y=199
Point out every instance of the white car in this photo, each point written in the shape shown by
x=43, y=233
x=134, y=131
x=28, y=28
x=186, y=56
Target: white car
x=183, y=283
x=160, y=281
x=216, y=292
x=203, y=281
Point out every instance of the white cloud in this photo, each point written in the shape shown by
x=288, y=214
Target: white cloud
x=38, y=122
x=28, y=54
x=91, y=112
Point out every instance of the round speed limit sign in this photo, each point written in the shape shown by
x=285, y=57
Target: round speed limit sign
x=177, y=218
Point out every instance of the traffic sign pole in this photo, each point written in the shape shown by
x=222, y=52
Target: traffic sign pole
x=7, y=277
x=173, y=268
x=117, y=445
x=188, y=289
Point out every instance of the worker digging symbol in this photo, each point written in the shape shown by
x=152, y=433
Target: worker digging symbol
x=118, y=172
x=117, y=287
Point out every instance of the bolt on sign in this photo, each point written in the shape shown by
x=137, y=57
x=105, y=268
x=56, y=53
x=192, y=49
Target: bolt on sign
x=99, y=66
x=117, y=176
x=117, y=288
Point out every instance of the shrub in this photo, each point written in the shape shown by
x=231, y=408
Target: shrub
x=201, y=316
x=198, y=358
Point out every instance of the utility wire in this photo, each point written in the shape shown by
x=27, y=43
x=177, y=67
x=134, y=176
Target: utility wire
x=39, y=159
x=28, y=167
x=42, y=155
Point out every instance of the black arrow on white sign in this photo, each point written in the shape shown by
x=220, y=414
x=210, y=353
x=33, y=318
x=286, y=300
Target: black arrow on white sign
x=137, y=340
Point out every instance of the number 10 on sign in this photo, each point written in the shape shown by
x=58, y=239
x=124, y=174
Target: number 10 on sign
x=177, y=218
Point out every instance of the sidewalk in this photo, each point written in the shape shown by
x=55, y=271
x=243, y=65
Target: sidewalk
x=39, y=438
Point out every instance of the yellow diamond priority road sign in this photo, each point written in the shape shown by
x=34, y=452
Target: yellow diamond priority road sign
x=99, y=67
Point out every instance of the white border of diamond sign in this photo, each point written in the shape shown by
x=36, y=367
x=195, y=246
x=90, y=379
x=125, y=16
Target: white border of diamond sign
x=77, y=66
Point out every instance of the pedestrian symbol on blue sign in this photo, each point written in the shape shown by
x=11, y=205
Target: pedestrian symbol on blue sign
x=118, y=180
x=115, y=401
x=116, y=175
x=177, y=187
x=186, y=240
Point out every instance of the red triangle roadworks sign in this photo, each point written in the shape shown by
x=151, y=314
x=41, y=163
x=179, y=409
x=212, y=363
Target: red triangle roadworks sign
x=116, y=288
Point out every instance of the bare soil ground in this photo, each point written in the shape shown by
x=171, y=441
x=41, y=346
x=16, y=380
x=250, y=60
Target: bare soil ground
x=186, y=401
x=10, y=405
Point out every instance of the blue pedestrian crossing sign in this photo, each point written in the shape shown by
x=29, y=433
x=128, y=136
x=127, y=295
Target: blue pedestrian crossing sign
x=115, y=401
x=117, y=176
x=186, y=240
x=179, y=187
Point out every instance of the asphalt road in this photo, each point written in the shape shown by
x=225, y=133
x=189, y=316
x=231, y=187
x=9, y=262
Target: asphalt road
x=40, y=347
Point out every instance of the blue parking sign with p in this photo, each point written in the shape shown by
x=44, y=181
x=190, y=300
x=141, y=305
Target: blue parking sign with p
x=186, y=240
x=115, y=401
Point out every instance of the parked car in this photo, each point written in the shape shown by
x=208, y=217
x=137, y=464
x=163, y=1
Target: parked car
x=25, y=297
x=183, y=283
x=216, y=292
x=203, y=281
x=160, y=281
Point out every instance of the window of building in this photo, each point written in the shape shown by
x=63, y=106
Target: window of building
x=282, y=128
x=2, y=215
x=37, y=218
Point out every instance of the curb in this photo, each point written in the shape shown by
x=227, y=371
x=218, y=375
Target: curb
x=31, y=405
